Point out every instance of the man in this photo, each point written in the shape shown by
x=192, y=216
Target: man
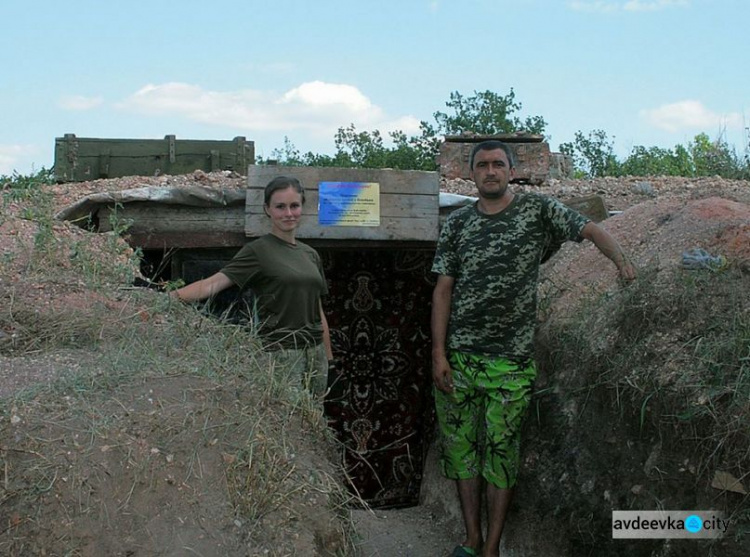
x=483, y=321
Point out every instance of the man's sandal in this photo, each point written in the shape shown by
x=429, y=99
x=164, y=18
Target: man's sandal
x=463, y=551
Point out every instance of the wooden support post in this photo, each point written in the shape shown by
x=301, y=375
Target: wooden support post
x=172, y=154
x=104, y=164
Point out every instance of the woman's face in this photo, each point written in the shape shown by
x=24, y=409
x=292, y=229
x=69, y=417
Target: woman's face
x=285, y=210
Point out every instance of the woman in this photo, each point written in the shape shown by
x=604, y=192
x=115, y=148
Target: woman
x=286, y=277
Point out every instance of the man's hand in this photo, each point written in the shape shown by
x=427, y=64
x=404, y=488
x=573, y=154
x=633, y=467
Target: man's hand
x=606, y=244
x=442, y=375
x=627, y=272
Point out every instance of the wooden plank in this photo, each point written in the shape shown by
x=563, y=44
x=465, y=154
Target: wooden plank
x=411, y=182
x=80, y=158
x=152, y=147
x=244, y=155
x=592, y=206
x=147, y=240
x=160, y=219
x=104, y=163
x=338, y=245
x=513, y=137
x=66, y=158
x=172, y=151
x=389, y=229
x=409, y=203
x=391, y=205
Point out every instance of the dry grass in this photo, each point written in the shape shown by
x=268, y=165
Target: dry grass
x=176, y=407
x=672, y=355
x=173, y=430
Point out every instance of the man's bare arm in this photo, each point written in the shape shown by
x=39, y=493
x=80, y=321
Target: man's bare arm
x=606, y=244
x=441, y=307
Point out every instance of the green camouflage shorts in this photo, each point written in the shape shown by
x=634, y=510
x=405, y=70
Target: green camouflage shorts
x=480, y=422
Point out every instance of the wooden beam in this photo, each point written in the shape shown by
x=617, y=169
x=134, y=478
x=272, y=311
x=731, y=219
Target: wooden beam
x=409, y=203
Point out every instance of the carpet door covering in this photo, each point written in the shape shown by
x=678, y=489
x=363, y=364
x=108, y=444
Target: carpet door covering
x=380, y=400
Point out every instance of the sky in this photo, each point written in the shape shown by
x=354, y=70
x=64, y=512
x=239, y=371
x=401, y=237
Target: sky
x=647, y=72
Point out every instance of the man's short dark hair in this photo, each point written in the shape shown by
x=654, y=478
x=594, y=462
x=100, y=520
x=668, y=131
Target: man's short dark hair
x=490, y=145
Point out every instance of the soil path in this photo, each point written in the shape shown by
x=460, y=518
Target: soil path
x=412, y=532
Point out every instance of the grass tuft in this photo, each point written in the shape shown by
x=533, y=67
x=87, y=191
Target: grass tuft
x=672, y=350
x=166, y=408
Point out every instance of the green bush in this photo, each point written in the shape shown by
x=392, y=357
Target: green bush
x=484, y=113
x=593, y=156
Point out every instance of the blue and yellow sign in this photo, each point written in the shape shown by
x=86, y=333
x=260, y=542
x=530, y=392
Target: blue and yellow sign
x=349, y=204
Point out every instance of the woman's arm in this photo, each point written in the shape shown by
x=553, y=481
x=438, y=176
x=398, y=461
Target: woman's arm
x=203, y=289
x=326, y=334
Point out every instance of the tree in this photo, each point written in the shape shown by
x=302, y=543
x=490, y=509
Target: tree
x=715, y=158
x=424, y=148
x=289, y=155
x=656, y=161
x=486, y=113
x=593, y=154
x=367, y=150
x=363, y=149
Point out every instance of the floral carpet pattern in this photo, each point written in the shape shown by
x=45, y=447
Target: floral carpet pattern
x=380, y=404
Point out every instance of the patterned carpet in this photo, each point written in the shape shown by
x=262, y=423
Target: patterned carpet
x=380, y=403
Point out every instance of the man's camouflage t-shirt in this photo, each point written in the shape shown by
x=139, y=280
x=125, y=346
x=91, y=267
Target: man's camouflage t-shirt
x=495, y=260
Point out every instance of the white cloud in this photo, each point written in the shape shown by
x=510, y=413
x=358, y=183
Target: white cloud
x=316, y=107
x=652, y=5
x=79, y=102
x=689, y=115
x=12, y=158
x=609, y=6
x=407, y=124
x=317, y=94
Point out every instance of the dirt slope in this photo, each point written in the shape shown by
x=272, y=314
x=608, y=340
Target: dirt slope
x=121, y=497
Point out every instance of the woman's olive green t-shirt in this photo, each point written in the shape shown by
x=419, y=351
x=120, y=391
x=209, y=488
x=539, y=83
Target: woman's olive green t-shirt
x=287, y=282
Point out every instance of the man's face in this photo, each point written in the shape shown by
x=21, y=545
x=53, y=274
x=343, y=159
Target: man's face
x=491, y=173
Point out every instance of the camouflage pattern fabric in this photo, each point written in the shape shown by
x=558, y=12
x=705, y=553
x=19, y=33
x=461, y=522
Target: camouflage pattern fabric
x=302, y=369
x=480, y=421
x=495, y=260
